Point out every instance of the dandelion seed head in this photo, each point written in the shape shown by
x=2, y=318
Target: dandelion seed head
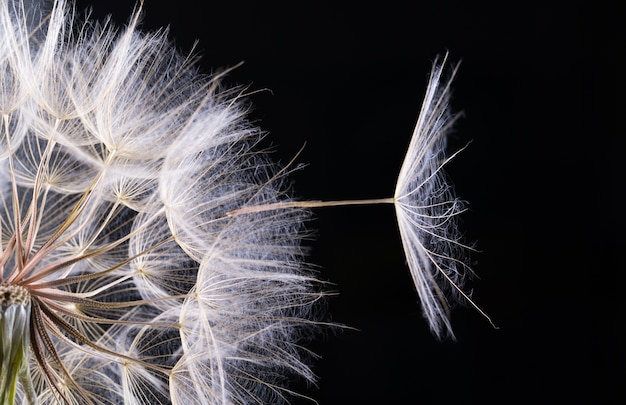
x=118, y=165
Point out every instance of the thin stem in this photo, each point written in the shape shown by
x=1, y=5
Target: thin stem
x=19, y=257
x=306, y=204
x=32, y=210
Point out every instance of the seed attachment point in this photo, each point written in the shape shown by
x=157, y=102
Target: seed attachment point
x=11, y=294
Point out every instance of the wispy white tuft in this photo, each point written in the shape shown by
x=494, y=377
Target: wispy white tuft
x=427, y=210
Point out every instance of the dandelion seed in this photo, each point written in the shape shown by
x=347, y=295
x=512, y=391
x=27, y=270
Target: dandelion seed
x=426, y=211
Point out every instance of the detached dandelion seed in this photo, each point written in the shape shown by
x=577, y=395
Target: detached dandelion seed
x=149, y=253
x=426, y=210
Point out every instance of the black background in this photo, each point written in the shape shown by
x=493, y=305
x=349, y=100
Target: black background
x=541, y=175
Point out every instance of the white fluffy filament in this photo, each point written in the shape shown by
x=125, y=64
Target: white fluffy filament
x=427, y=210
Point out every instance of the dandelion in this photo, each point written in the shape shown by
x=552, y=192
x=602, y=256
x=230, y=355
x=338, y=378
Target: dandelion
x=122, y=279
x=149, y=253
